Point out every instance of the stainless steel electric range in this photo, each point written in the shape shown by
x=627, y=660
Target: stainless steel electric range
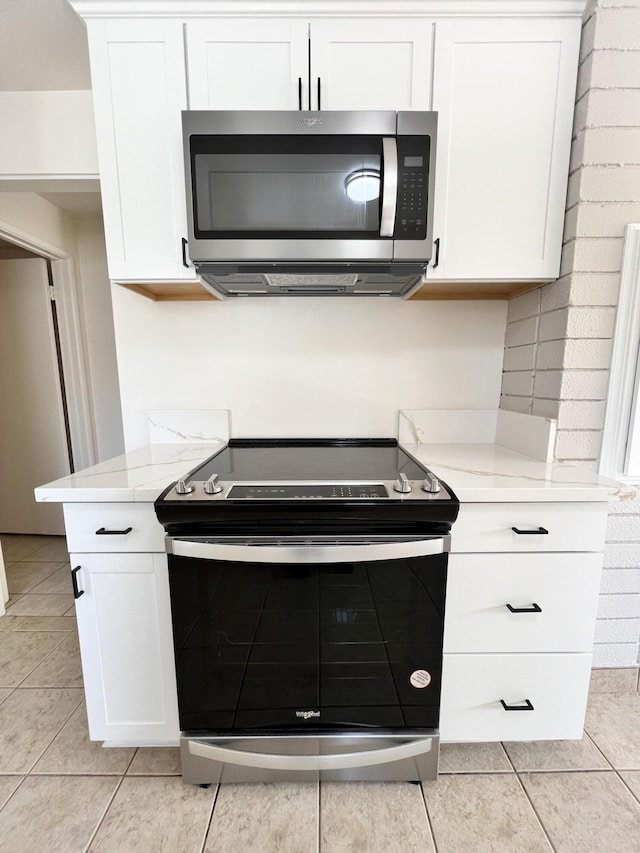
x=307, y=581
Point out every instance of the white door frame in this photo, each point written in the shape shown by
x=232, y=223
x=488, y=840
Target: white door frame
x=74, y=360
x=622, y=417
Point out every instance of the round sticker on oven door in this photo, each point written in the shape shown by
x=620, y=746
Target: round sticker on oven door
x=420, y=678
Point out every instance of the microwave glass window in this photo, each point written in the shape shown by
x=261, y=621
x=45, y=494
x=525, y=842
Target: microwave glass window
x=271, y=186
x=283, y=192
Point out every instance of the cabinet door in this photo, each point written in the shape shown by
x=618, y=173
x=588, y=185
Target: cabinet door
x=247, y=64
x=139, y=89
x=124, y=624
x=504, y=91
x=371, y=64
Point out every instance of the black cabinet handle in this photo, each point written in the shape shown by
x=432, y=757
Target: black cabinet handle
x=299, y=93
x=437, y=258
x=541, y=531
x=526, y=707
x=319, y=101
x=74, y=581
x=104, y=532
x=184, y=253
x=535, y=608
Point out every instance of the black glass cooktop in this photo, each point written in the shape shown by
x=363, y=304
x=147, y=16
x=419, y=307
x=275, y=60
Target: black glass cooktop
x=258, y=460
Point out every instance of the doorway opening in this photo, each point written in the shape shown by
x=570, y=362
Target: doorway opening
x=35, y=437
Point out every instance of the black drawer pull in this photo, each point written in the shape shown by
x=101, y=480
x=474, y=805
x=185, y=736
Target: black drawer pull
x=437, y=257
x=541, y=531
x=184, y=252
x=74, y=581
x=535, y=608
x=104, y=532
x=526, y=707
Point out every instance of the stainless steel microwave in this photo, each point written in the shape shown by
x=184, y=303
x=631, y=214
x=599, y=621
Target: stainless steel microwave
x=279, y=202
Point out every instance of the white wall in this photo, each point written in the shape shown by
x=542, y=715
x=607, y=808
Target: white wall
x=323, y=367
x=33, y=219
x=47, y=135
x=99, y=338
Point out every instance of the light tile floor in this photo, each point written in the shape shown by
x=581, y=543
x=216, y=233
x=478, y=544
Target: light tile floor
x=61, y=792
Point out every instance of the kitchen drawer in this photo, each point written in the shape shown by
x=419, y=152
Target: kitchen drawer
x=473, y=685
x=84, y=521
x=489, y=527
x=479, y=586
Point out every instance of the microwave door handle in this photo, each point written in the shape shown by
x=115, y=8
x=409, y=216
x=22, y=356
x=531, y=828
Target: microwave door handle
x=390, y=186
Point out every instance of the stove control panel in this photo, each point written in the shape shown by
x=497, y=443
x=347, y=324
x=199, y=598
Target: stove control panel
x=303, y=491
x=214, y=490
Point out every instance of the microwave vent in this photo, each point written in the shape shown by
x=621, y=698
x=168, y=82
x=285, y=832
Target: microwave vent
x=392, y=280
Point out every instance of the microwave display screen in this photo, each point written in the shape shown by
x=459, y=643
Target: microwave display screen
x=414, y=161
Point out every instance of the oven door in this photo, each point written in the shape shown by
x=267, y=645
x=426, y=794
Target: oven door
x=288, y=187
x=308, y=658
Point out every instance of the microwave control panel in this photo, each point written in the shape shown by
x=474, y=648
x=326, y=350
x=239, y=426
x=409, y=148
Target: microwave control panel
x=413, y=183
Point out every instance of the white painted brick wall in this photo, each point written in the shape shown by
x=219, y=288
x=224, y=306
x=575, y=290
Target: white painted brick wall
x=581, y=414
x=567, y=326
x=601, y=219
x=605, y=145
x=578, y=444
x=620, y=580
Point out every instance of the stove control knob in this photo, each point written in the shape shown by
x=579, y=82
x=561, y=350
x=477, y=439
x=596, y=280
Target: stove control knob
x=213, y=486
x=183, y=488
x=402, y=485
x=431, y=483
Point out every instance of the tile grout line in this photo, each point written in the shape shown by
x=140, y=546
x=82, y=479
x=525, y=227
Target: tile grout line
x=92, y=837
x=597, y=746
x=17, y=788
x=428, y=816
x=633, y=794
x=75, y=708
x=58, y=565
x=506, y=752
x=535, y=812
x=318, y=808
x=64, y=635
x=207, y=828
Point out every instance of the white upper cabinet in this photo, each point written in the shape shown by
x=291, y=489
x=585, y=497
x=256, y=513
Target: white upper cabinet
x=504, y=91
x=503, y=87
x=328, y=63
x=371, y=63
x=247, y=64
x=139, y=88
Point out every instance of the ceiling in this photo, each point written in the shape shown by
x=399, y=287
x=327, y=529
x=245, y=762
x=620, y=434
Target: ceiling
x=50, y=31
x=76, y=204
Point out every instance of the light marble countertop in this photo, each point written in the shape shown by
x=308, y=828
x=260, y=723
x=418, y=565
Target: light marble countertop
x=140, y=475
x=475, y=472
x=490, y=472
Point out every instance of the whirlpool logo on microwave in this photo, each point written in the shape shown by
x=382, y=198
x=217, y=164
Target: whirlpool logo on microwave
x=310, y=122
x=307, y=715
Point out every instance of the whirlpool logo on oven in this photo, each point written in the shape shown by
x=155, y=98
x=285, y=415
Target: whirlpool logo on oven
x=307, y=715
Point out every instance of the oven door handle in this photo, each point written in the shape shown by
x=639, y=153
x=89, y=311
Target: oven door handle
x=340, y=761
x=389, y=187
x=303, y=553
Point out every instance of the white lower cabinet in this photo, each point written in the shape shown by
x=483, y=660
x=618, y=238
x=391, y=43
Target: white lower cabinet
x=522, y=596
x=124, y=625
x=555, y=686
x=521, y=602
